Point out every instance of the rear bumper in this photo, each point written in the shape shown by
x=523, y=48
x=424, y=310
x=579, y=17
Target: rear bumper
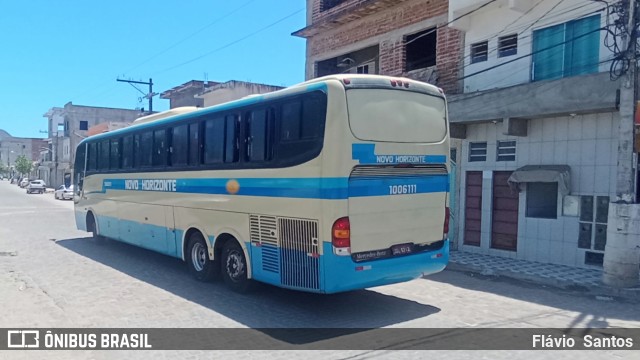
x=341, y=273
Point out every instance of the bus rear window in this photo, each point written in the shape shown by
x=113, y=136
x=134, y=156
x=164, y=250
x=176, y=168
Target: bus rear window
x=396, y=116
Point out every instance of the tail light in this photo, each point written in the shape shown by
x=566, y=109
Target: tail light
x=341, y=236
x=446, y=221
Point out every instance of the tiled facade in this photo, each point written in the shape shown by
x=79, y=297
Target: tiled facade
x=586, y=143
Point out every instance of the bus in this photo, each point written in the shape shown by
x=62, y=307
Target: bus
x=335, y=184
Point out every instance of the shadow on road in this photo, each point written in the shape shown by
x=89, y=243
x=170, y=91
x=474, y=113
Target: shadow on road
x=267, y=307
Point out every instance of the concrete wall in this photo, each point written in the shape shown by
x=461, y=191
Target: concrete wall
x=234, y=90
x=587, y=143
x=12, y=147
x=577, y=94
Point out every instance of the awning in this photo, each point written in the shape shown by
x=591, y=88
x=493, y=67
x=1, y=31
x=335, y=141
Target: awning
x=543, y=173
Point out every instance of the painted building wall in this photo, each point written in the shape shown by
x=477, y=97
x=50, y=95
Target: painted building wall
x=499, y=20
x=233, y=90
x=587, y=143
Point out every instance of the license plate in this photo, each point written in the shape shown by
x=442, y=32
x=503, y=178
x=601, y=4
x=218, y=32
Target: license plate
x=402, y=249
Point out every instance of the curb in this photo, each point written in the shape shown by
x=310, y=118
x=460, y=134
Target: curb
x=628, y=294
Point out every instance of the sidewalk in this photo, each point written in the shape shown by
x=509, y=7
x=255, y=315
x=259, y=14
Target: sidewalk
x=565, y=277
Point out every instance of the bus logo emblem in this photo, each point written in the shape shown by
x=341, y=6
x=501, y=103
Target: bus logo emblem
x=233, y=186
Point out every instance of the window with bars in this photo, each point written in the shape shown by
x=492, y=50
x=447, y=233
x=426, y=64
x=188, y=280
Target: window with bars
x=479, y=52
x=594, y=212
x=477, y=151
x=506, y=150
x=507, y=45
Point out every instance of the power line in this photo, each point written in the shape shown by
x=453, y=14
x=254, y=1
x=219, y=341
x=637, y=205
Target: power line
x=168, y=48
x=231, y=43
x=192, y=35
x=520, y=38
x=542, y=17
x=450, y=22
x=537, y=85
x=530, y=54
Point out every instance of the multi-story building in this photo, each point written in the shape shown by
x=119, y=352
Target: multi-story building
x=531, y=104
x=233, y=90
x=185, y=94
x=11, y=147
x=207, y=93
x=539, y=124
x=390, y=37
x=67, y=127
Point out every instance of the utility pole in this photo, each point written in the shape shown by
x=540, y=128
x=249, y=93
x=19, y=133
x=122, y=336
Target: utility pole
x=148, y=95
x=622, y=249
x=625, y=192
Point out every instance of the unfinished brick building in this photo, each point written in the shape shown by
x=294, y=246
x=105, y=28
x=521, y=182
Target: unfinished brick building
x=390, y=37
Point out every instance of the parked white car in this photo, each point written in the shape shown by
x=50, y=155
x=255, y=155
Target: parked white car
x=64, y=193
x=36, y=186
x=24, y=183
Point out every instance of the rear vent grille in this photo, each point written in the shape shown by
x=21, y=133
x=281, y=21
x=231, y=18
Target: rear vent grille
x=382, y=171
x=263, y=229
x=299, y=253
x=270, y=258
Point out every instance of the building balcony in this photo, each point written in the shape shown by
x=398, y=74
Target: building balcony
x=583, y=94
x=343, y=13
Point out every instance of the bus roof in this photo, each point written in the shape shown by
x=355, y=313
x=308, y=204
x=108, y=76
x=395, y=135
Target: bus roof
x=180, y=113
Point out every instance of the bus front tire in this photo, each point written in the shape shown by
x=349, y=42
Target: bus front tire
x=234, y=268
x=197, y=257
x=93, y=229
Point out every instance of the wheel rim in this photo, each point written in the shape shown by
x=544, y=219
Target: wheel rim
x=198, y=256
x=235, y=265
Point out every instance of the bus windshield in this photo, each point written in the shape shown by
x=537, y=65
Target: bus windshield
x=396, y=116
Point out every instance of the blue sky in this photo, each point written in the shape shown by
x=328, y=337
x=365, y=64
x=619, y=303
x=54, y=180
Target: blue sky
x=53, y=52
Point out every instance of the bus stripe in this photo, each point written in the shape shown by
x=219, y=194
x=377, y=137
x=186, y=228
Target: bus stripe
x=303, y=188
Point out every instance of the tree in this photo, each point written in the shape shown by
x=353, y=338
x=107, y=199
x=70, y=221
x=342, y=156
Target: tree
x=23, y=165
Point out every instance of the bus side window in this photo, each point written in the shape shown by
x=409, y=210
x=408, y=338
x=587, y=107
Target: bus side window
x=232, y=139
x=214, y=140
x=127, y=152
x=116, y=161
x=258, y=135
x=179, y=145
x=104, y=155
x=194, y=144
x=313, y=115
x=159, y=158
x=93, y=157
x=290, y=121
x=79, y=167
x=146, y=149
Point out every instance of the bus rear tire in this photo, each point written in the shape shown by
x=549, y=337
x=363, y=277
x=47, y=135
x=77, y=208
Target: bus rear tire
x=234, y=268
x=197, y=257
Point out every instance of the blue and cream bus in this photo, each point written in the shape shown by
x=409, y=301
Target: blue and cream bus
x=335, y=184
